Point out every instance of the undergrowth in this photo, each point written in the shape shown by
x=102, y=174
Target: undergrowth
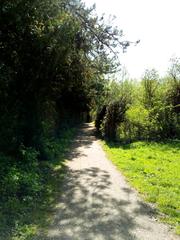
x=29, y=188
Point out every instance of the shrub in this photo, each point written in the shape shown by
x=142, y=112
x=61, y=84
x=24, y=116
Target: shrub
x=114, y=115
x=136, y=123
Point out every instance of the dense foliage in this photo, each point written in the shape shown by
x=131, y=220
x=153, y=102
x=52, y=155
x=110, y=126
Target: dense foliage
x=53, y=56
x=151, y=107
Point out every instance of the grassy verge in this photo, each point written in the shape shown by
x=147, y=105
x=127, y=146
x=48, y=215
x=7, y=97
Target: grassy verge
x=29, y=190
x=154, y=170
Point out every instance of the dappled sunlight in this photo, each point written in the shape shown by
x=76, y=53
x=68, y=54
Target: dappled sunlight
x=97, y=203
x=87, y=211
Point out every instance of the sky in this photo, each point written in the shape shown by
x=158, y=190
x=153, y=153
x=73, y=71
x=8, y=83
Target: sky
x=154, y=22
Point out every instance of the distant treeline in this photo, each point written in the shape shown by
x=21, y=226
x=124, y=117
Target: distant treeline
x=148, y=109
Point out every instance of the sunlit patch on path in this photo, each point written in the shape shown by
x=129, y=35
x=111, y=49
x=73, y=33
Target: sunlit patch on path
x=97, y=203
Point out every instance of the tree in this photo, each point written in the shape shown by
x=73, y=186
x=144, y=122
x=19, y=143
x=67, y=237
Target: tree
x=173, y=95
x=150, y=83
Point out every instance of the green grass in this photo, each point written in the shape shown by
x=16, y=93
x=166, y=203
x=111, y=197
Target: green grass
x=26, y=217
x=153, y=168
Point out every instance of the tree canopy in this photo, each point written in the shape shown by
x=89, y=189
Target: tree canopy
x=53, y=57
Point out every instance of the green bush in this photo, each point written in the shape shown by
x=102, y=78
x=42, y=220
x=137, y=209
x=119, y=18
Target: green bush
x=20, y=179
x=114, y=115
x=136, y=124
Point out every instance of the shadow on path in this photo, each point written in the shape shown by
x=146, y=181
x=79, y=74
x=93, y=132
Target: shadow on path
x=85, y=138
x=88, y=209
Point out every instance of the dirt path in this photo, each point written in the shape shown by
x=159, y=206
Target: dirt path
x=97, y=203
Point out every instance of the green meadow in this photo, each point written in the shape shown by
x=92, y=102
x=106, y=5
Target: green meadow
x=153, y=168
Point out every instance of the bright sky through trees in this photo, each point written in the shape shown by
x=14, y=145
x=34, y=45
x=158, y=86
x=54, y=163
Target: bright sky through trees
x=154, y=22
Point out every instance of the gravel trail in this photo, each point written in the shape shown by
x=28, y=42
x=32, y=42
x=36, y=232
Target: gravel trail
x=97, y=203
